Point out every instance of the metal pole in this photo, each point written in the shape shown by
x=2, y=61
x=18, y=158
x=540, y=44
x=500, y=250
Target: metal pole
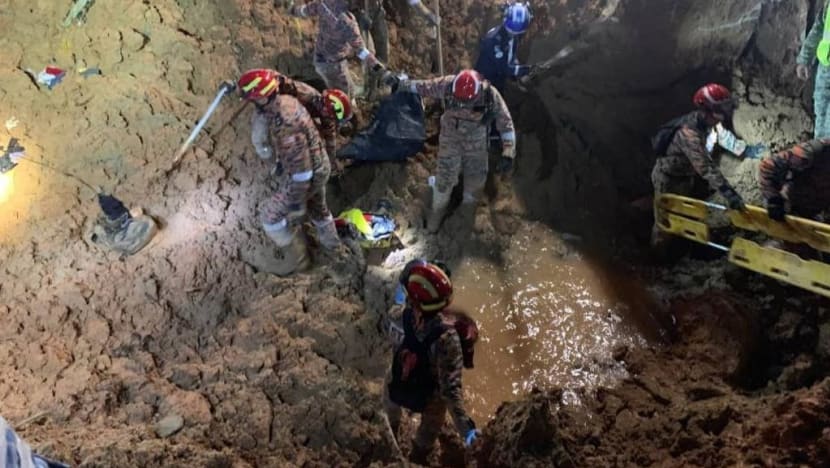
x=439, y=43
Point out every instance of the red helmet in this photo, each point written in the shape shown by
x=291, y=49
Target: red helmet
x=714, y=97
x=467, y=85
x=429, y=287
x=336, y=104
x=258, y=83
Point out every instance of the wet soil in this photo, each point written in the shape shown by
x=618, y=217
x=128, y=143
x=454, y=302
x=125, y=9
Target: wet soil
x=287, y=372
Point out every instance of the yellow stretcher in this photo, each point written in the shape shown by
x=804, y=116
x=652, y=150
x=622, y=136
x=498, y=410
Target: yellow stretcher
x=686, y=217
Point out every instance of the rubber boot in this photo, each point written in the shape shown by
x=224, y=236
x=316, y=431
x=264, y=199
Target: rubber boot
x=125, y=234
x=434, y=220
x=293, y=252
x=440, y=200
x=327, y=234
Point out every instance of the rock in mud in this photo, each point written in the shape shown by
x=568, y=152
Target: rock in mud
x=169, y=425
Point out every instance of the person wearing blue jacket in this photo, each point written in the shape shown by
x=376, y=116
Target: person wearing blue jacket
x=498, y=52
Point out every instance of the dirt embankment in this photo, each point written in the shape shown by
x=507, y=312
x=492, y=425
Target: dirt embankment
x=273, y=372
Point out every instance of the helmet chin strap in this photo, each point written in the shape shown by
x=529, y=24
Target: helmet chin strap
x=261, y=107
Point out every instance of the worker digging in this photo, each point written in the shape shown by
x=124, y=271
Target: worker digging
x=221, y=225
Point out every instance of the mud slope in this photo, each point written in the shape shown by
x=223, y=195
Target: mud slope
x=272, y=372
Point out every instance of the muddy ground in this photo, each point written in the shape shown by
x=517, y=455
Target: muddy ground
x=287, y=372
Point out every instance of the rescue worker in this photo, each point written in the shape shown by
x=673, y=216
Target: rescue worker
x=371, y=18
x=338, y=39
x=797, y=180
x=817, y=46
x=120, y=231
x=427, y=366
x=686, y=154
x=301, y=154
x=330, y=109
x=472, y=106
x=498, y=54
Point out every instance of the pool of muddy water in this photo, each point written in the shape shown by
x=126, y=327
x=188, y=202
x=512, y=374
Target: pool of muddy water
x=549, y=317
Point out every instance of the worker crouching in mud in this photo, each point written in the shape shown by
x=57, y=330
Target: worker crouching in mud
x=305, y=165
x=426, y=369
x=682, y=152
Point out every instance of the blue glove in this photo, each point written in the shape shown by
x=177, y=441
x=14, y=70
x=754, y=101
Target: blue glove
x=471, y=437
x=755, y=151
x=400, y=295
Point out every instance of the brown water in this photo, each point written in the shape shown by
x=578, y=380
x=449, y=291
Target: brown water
x=548, y=318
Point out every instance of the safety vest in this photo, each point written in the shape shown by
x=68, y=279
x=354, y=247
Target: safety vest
x=823, y=50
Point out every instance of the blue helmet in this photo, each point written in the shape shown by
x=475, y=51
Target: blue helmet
x=517, y=18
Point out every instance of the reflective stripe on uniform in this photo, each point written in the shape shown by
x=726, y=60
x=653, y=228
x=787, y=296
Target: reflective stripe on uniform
x=302, y=176
x=363, y=54
x=823, y=49
x=508, y=136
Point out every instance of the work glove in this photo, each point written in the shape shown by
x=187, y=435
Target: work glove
x=379, y=67
x=471, y=437
x=755, y=151
x=389, y=78
x=776, y=209
x=733, y=198
x=505, y=165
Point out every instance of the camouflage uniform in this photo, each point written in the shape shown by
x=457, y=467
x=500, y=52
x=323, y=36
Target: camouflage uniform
x=301, y=152
x=686, y=157
x=338, y=38
x=801, y=175
x=463, y=142
x=821, y=94
x=312, y=100
x=446, y=364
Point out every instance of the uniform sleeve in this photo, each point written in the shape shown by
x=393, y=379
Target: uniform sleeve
x=504, y=124
x=435, y=88
x=450, y=363
x=694, y=148
x=259, y=135
x=773, y=171
x=808, y=50
x=727, y=140
x=296, y=155
x=771, y=174
x=349, y=28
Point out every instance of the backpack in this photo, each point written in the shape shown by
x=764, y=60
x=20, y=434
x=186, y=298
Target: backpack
x=413, y=384
x=662, y=139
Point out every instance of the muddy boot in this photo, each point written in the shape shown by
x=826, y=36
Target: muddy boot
x=327, y=234
x=125, y=234
x=434, y=220
x=292, y=249
x=440, y=200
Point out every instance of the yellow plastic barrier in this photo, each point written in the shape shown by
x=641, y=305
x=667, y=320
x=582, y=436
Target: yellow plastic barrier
x=784, y=266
